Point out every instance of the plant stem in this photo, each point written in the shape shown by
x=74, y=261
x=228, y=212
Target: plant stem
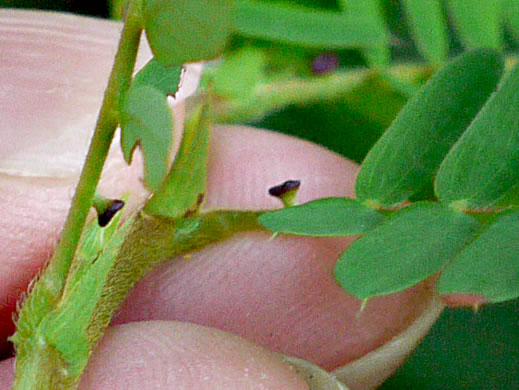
x=107, y=123
x=38, y=365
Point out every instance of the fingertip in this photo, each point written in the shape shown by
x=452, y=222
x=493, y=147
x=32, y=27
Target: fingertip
x=166, y=354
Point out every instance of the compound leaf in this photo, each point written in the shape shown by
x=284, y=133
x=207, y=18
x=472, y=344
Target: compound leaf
x=407, y=248
x=488, y=267
x=323, y=217
x=406, y=158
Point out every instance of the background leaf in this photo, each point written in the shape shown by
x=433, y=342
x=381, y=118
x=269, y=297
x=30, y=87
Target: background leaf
x=477, y=22
x=489, y=266
x=511, y=14
x=239, y=73
x=483, y=167
x=146, y=120
x=187, y=30
x=407, y=248
x=302, y=26
x=429, y=28
x=406, y=157
x=369, y=13
x=165, y=79
x=323, y=217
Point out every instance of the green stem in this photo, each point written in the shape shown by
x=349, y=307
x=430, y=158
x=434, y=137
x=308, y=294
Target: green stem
x=107, y=123
x=38, y=365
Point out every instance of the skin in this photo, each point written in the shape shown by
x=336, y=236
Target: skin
x=212, y=318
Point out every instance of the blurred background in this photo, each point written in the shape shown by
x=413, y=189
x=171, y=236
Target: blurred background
x=464, y=350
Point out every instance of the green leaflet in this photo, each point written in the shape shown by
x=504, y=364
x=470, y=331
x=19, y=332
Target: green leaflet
x=370, y=13
x=489, y=266
x=146, y=120
x=189, y=172
x=239, y=73
x=165, y=79
x=413, y=244
x=406, y=158
x=429, y=28
x=302, y=26
x=482, y=168
x=511, y=15
x=477, y=22
x=323, y=217
x=187, y=30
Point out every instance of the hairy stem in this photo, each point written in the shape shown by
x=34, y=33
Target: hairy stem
x=38, y=364
x=107, y=123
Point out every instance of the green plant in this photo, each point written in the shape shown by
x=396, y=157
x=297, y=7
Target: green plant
x=92, y=271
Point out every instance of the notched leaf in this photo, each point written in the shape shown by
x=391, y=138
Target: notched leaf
x=147, y=122
x=165, y=79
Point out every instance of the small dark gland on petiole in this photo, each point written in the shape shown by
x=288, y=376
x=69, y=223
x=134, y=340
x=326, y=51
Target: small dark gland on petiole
x=106, y=216
x=286, y=192
x=281, y=189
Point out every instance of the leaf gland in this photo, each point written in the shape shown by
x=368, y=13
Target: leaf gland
x=286, y=192
x=106, y=209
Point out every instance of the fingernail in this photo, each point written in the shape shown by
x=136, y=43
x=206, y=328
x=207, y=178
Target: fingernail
x=315, y=376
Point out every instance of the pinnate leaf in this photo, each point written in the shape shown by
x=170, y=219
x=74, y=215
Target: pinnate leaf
x=407, y=248
x=489, y=266
x=482, y=168
x=146, y=120
x=183, y=31
x=323, y=217
x=405, y=159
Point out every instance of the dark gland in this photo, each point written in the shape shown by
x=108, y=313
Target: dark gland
x=282, y=189
x=104, y=218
